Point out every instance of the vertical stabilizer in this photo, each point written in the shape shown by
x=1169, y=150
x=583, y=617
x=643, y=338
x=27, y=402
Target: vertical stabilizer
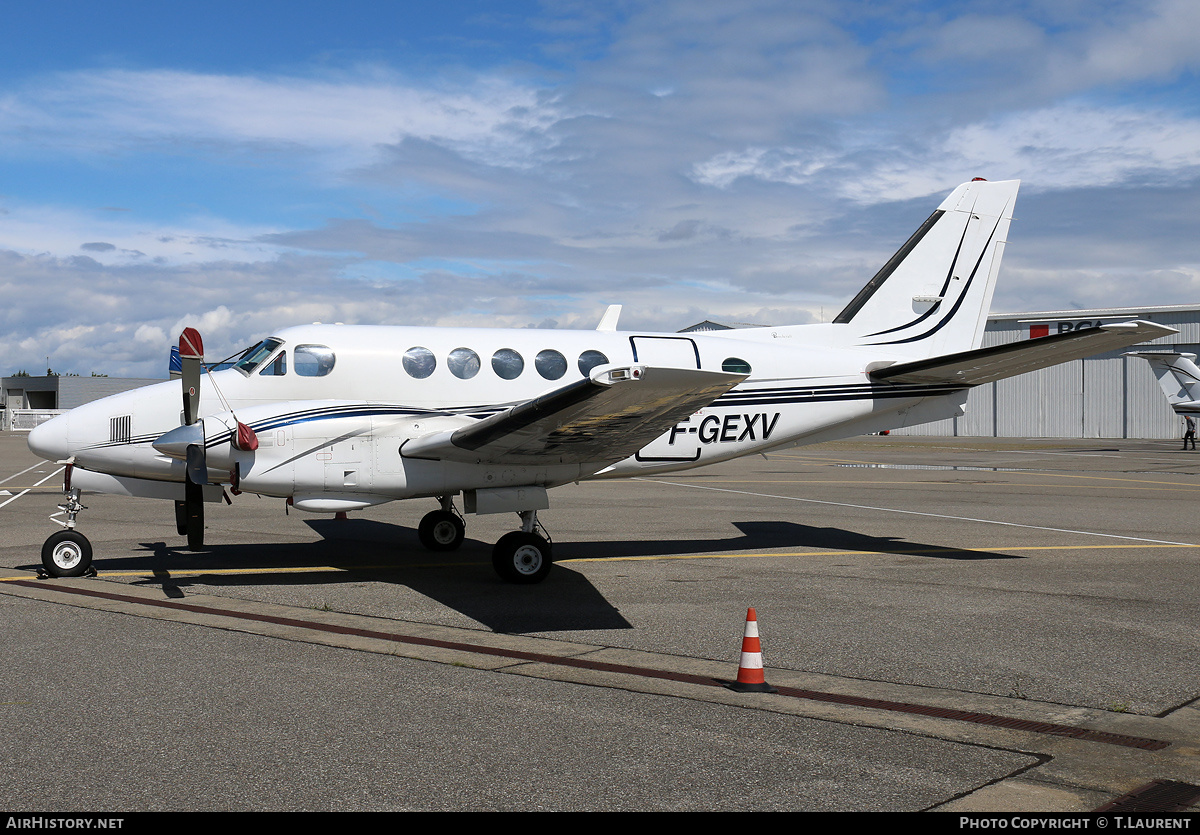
x=1178, y=376
x=932, y=297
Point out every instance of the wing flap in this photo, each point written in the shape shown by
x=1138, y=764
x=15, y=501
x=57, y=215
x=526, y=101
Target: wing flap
x=603, y=419
x=986, y=365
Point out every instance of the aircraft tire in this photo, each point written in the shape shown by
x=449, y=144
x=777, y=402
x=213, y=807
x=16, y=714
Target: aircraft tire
x=67, y=554
x=521, y=557
x=441, y=530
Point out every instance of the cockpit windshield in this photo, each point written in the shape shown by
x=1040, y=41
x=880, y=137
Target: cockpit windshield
x=255, y=356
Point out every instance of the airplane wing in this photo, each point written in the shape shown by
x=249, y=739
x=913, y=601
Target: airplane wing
x=601, y=420
x=985, y=365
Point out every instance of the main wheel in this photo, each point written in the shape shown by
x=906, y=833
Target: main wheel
x=441, y=530
x=521, y=557
x=67, y=554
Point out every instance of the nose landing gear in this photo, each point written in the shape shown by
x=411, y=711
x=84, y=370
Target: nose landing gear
x=67, y=553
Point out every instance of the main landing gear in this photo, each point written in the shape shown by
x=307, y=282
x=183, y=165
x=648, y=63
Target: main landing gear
x=523, y=556
x=442, y=530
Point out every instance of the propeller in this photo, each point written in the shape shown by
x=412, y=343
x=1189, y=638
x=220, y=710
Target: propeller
x=191, y=358
x=187, y=442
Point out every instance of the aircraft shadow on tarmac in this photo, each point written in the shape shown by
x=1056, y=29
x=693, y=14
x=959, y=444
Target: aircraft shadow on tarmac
x=354, y=550
x=773, y=534
x=358, y=550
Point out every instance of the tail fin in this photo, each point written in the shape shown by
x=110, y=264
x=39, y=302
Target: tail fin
x=933, y=296
x=1177, y=375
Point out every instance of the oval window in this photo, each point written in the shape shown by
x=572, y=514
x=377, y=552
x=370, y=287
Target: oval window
x=508, y=364
x=463, y=363
x=550, y=364
x=735, y=366
x=313, y=360
x=419, y=362
x=589, y=360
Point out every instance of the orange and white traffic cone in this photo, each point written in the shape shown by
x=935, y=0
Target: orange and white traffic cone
x=750, y=678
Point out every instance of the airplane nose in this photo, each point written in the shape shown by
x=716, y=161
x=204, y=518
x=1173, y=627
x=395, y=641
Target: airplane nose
x=49, y=440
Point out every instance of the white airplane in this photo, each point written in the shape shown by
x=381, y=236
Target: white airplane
x=1178, y=377
x=335, y=418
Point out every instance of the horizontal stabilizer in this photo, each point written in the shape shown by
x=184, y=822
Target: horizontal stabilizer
x=985, y=365
x=1178, y=376
x=600, y=420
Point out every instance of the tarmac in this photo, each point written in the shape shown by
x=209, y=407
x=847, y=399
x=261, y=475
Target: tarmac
x=950, y=624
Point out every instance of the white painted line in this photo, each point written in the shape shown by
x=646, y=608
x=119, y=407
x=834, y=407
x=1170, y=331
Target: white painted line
x=1154, y=456
x=27, y=469
x=23, y=492
x=917, y=513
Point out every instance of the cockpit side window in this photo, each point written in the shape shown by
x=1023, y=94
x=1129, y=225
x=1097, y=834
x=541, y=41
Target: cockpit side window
x=254, y=357
x=313, y=360
x=277, y=367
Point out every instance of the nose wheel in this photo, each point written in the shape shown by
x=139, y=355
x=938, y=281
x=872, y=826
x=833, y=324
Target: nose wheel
x=67, y=553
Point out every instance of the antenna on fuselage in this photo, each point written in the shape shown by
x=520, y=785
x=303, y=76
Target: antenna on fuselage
x=608, y=322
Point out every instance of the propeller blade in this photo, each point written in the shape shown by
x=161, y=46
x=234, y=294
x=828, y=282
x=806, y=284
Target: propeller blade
x=193, y=493
x=197, y=466
x=191, y=356
x=193, y=515
x=191, y=359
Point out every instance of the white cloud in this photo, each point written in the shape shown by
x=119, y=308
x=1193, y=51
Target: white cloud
x=112, y=238
x=748, y=161
x=1152, y=41
x=489, y=118
x=1067, y=146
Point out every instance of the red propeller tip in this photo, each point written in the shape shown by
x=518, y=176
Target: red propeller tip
x=191, y=346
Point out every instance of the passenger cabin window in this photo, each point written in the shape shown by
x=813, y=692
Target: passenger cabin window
x=589, y=360
x=550, y=364
x=419, y=362
x=276, y=367
x=508, y=364
x=463, y=363
x=313, y=360
x=255, y=356
x=735, y=366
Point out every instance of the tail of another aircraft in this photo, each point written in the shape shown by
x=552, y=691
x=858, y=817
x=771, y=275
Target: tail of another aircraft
x=1177, y=375
x=933, y=296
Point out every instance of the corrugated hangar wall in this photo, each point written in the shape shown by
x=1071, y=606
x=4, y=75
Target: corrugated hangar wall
x=1106, y=396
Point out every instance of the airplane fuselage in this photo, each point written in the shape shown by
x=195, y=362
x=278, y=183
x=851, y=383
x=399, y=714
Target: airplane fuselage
x=331, y=438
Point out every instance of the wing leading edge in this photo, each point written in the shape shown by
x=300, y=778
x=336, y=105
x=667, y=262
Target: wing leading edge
x=601, y=420
x=986, y=365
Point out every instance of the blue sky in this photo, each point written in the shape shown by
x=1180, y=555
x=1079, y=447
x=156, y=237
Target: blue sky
x=246, y=166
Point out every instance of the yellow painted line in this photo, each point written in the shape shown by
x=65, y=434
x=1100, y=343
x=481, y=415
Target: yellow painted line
x=199, y=572
x=1164, y=485
x=919, y=552
x=150, y=574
